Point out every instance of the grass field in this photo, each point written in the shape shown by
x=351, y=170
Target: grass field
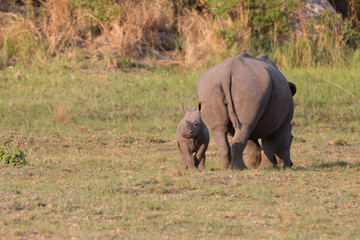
x=104, y=163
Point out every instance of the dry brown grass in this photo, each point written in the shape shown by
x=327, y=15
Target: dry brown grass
x=58, y=25
x=36, y=32
x=146, y=29
x=136, y=34
x=19, y=38
x=28, y=31
x=354, y=13
x=198, y=37
x=60, y=114
x=156, y=29
x=6, y=20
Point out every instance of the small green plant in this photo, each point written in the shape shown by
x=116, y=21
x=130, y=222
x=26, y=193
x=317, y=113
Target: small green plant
x=12, y=156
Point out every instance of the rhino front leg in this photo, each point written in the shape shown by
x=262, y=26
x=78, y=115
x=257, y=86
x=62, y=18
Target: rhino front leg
x=223, y=146
x=187, y=160
x=253, y=151
x=200, y=157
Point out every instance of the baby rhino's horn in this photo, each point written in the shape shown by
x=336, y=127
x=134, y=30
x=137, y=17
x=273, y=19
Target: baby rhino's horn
x=183, y=108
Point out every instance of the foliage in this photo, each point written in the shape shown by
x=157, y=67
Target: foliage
x=349, y=9
x=105, y=11
x=222, y=8
x=177, y=31
x=269, y=18
x=12, y=156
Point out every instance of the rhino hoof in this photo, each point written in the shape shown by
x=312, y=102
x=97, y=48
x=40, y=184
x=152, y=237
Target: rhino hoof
x=288, y=165
x=243, y=167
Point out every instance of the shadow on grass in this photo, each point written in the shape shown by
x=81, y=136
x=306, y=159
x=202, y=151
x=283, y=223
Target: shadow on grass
x=323, y=166
x=336, y=164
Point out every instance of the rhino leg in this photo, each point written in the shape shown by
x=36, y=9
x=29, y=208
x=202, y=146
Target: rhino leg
x=283, y=151
x=267, y=154
x=278, y=144
x=183, y=161
x=200, y=157
x=237, y=148
x=279, y=161
x=201, y=165
x=187, y=160
x=253, y=151
x=269, y=146
x=223, y=146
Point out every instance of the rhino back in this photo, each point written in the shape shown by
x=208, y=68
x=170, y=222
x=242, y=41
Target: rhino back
x=259, y=92
x=251, y=89
x=268, y=94
x=211, y=95
x=280, y=106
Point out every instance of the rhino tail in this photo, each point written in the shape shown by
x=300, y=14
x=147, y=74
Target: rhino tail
x=227, y=88
x=292, y=88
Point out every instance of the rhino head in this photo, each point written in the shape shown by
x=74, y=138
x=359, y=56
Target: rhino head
x=191, y=124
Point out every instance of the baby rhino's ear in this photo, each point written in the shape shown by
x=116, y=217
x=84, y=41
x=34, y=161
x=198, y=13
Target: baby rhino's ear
x=183, y=108
x=200, y=107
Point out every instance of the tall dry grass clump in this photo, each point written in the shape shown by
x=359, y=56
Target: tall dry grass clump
x=198, y=37
x=19, y=38
x=236, y=29
x=57, y=25
x=203, y=35
x=190, y=32
x=38, y=32
x=138, y=32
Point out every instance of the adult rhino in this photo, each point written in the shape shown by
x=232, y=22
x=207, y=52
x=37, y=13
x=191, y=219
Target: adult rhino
x=250, y=99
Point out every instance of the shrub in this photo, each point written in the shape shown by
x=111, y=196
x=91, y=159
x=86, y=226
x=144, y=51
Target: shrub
x=190, y=31
x=12, y=156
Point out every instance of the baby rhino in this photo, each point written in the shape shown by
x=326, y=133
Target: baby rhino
x=192, y=136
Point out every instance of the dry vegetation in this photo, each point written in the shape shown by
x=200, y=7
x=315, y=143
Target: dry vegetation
x=103, y=161
x=184, y=32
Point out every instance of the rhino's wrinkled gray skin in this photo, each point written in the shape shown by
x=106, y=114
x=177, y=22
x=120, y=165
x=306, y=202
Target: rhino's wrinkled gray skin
x=250, y=99
x=192, y=136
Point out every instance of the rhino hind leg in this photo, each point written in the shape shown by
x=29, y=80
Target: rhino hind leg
x=253, y=151
x=276, y=148
x=283, y=151
x=223, y=146
x=237, y=148
x=201, y=164
x=267, y=155
x=269, y=146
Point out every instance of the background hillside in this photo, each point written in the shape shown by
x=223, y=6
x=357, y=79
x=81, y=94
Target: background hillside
x=295, y=33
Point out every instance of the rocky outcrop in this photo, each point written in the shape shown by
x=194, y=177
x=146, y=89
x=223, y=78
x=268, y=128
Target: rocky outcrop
x=307, y=11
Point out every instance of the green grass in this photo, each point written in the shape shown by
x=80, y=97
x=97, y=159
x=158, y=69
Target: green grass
x=104, y=161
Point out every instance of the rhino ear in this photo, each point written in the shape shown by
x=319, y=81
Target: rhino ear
x=183, y=108
x=200, y=107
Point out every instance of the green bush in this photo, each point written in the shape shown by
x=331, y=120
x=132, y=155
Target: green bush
x=269, y=19
x=19, y=44
x=12, y=156
x=104, y=11
x=96, y=28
